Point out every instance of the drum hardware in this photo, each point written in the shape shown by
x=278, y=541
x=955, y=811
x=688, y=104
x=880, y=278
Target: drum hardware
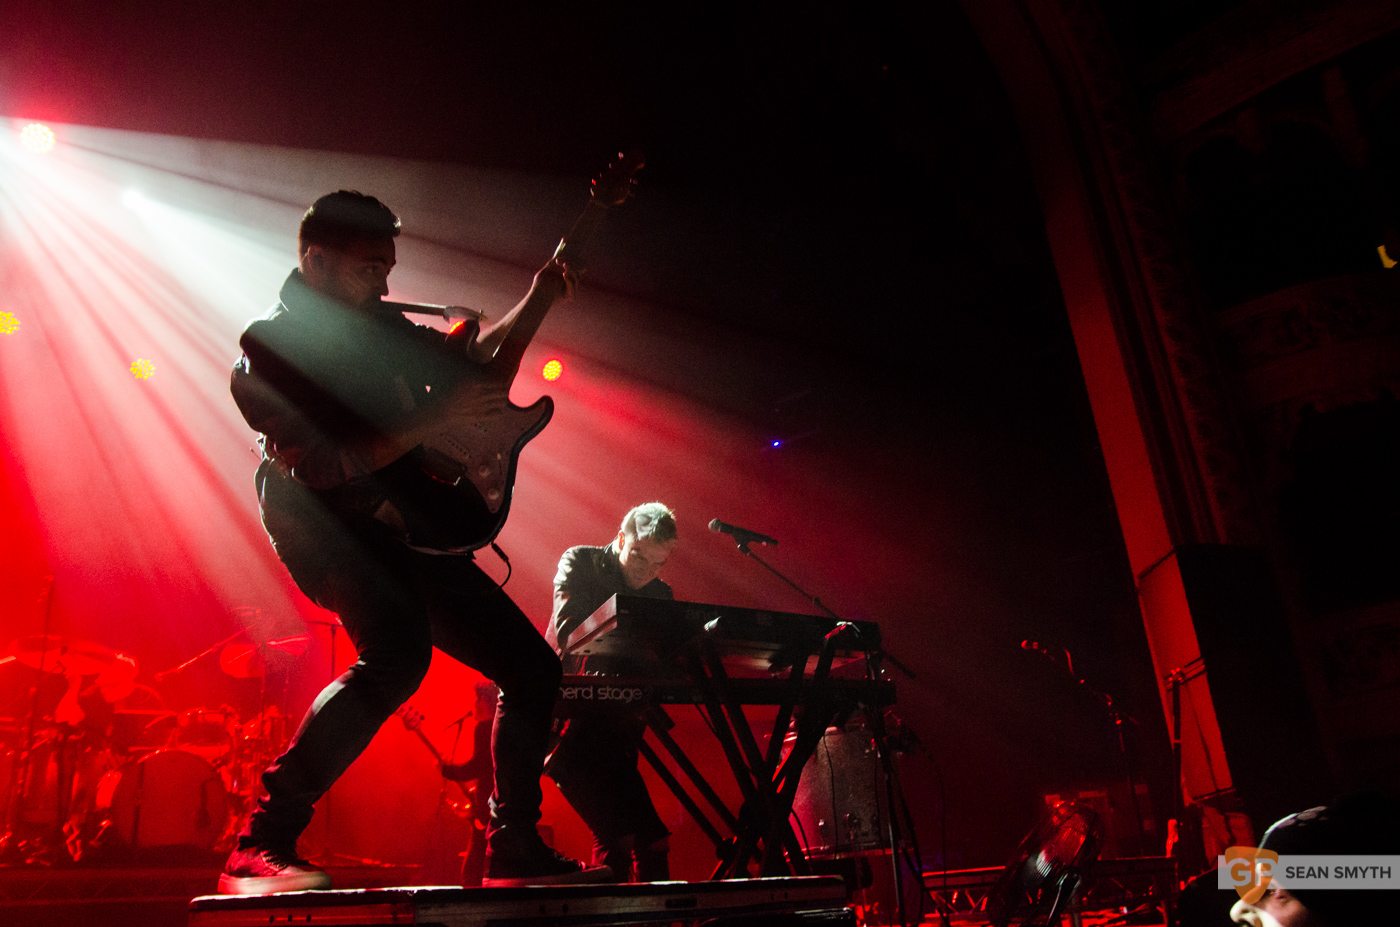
x=249, y=661
x=54, y=763
x=50, y=653
x=150, y=778
x=13, y=846
x=264, y=735
x=218, y=734
x=169, y=798
x=191, y=791
x=240, y=658
x=52, y=786
x=211, y=733
x=91, y=670
x=139, y=730
x=237, y=751
x=259, y=740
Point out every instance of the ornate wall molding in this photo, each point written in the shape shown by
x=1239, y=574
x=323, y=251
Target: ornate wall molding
x=1312, y=316
x=1248, y=52
x=1169, y=335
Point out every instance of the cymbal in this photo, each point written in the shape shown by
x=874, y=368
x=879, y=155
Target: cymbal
x=293, y=646
x=242, y=661
x=70, y=656
x=118, y=680
x=248, y=661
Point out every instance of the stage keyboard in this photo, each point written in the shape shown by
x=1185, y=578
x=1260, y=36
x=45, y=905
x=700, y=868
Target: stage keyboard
x=584, y=692
x=765, y=639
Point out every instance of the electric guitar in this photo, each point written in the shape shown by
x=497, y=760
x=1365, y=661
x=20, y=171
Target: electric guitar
x=465, y=800
x=475, y=455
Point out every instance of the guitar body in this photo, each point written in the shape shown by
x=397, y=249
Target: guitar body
x=477, y=460
x=484, y=452
x=454, y=492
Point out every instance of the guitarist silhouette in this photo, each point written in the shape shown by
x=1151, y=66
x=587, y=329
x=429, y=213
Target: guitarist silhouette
x=389, y=454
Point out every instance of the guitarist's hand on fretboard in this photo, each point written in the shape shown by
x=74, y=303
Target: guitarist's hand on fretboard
x=554, y=281
x=558, y=279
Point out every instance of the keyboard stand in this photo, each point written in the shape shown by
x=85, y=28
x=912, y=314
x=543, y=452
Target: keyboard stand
x=714, y=651
x=761, y=831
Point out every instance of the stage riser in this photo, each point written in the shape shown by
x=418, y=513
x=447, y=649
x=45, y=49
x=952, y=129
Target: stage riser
x=811, y=901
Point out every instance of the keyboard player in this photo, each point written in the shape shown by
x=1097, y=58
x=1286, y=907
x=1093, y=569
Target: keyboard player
x=595, y=763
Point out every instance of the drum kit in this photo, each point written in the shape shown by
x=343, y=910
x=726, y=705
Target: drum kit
x=95, y=765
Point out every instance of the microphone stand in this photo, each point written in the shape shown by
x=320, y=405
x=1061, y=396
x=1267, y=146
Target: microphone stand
x=180, y=668
x=743, y=546
x=327, y=806
x=450, y=313
x=1184, y=842
x=1120, y=720
x=878, y=733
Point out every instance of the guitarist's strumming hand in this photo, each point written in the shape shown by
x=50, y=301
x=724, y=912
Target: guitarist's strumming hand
x=472, y=400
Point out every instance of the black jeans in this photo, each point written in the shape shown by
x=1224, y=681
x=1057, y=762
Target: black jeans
x=396, y=604
x=595, y=766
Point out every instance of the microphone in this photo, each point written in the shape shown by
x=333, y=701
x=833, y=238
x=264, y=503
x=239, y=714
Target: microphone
x=741, y=535
x=450, y=313
x=1059, y=655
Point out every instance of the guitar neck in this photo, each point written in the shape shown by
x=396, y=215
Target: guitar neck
x=432, y=748
x=571, y=246
x=412, y=722
x=527, y=324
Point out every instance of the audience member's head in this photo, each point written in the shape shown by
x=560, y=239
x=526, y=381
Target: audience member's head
x=1360, y=824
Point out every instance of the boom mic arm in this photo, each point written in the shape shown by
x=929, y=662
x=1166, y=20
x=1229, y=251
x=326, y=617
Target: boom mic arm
x=450, y=313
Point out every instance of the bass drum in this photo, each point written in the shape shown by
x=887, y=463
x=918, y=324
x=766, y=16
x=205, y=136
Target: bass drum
x=840, y=806
x=170, y=798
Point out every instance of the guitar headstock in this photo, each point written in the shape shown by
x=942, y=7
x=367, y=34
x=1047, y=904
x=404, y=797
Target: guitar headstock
x=411, y=717
x=615, y=184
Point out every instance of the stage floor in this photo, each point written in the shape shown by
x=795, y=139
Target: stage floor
x=136, y=896
x=160, y=895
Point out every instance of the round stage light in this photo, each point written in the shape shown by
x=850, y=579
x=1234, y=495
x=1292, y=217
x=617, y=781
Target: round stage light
x=553, y=369
x=38, y=138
